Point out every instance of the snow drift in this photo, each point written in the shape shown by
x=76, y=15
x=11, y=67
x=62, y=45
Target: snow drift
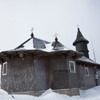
x=90, y=94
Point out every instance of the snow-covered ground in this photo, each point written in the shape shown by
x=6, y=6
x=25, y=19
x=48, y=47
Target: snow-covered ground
x=90, y=94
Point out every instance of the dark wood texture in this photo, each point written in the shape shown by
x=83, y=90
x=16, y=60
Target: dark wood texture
x=39, y=72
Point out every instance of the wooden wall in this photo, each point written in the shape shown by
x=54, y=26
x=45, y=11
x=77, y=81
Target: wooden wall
x=86, y=82
x=27, y=74
x=61, y=76
x=37, y=73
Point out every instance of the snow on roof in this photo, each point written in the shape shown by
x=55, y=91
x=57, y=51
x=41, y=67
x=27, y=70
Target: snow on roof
x=28, y=45
x=50, y=48
x=85, y=59
x=39, y=44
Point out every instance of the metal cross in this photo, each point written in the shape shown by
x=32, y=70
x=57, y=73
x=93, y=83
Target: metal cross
x=78, y=26
x=32, y=30
x=55, y=35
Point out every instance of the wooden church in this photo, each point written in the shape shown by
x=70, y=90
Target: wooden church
x=45, y=65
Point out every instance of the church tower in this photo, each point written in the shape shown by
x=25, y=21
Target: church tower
x=81, y=44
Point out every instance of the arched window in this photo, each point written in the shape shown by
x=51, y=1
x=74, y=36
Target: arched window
x=72, y=67
x=86, y=71
x=4, y=69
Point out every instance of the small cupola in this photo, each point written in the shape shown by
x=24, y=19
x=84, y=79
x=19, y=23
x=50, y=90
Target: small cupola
x=57, y=45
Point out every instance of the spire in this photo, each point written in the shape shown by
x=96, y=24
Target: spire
x=79, y=34
x=32, y=35
x=81, y=43
x=80, y=38
x=56, y=39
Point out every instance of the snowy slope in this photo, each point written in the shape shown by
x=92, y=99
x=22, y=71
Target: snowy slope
x=90, y=94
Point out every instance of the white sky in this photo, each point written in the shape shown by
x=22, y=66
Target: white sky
x=48, y=17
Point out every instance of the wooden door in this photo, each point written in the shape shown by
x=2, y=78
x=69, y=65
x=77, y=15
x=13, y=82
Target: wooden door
x=59, y=79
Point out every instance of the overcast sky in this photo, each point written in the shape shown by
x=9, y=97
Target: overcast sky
x=48, y=17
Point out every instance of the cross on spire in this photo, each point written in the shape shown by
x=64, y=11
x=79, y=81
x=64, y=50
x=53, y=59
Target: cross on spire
x=55, y=35
x=56, y=39
x=32, y=30
x=32, y=35
x=78, y=26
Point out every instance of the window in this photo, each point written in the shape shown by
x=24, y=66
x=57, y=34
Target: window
x=4, y=70
x=86, y=71
x=72, y=66
x=98, y=73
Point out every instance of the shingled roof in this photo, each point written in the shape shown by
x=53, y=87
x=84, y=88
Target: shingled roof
x=80, y=38
x=57, y=45
x=86, y=60
x=36, y=43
